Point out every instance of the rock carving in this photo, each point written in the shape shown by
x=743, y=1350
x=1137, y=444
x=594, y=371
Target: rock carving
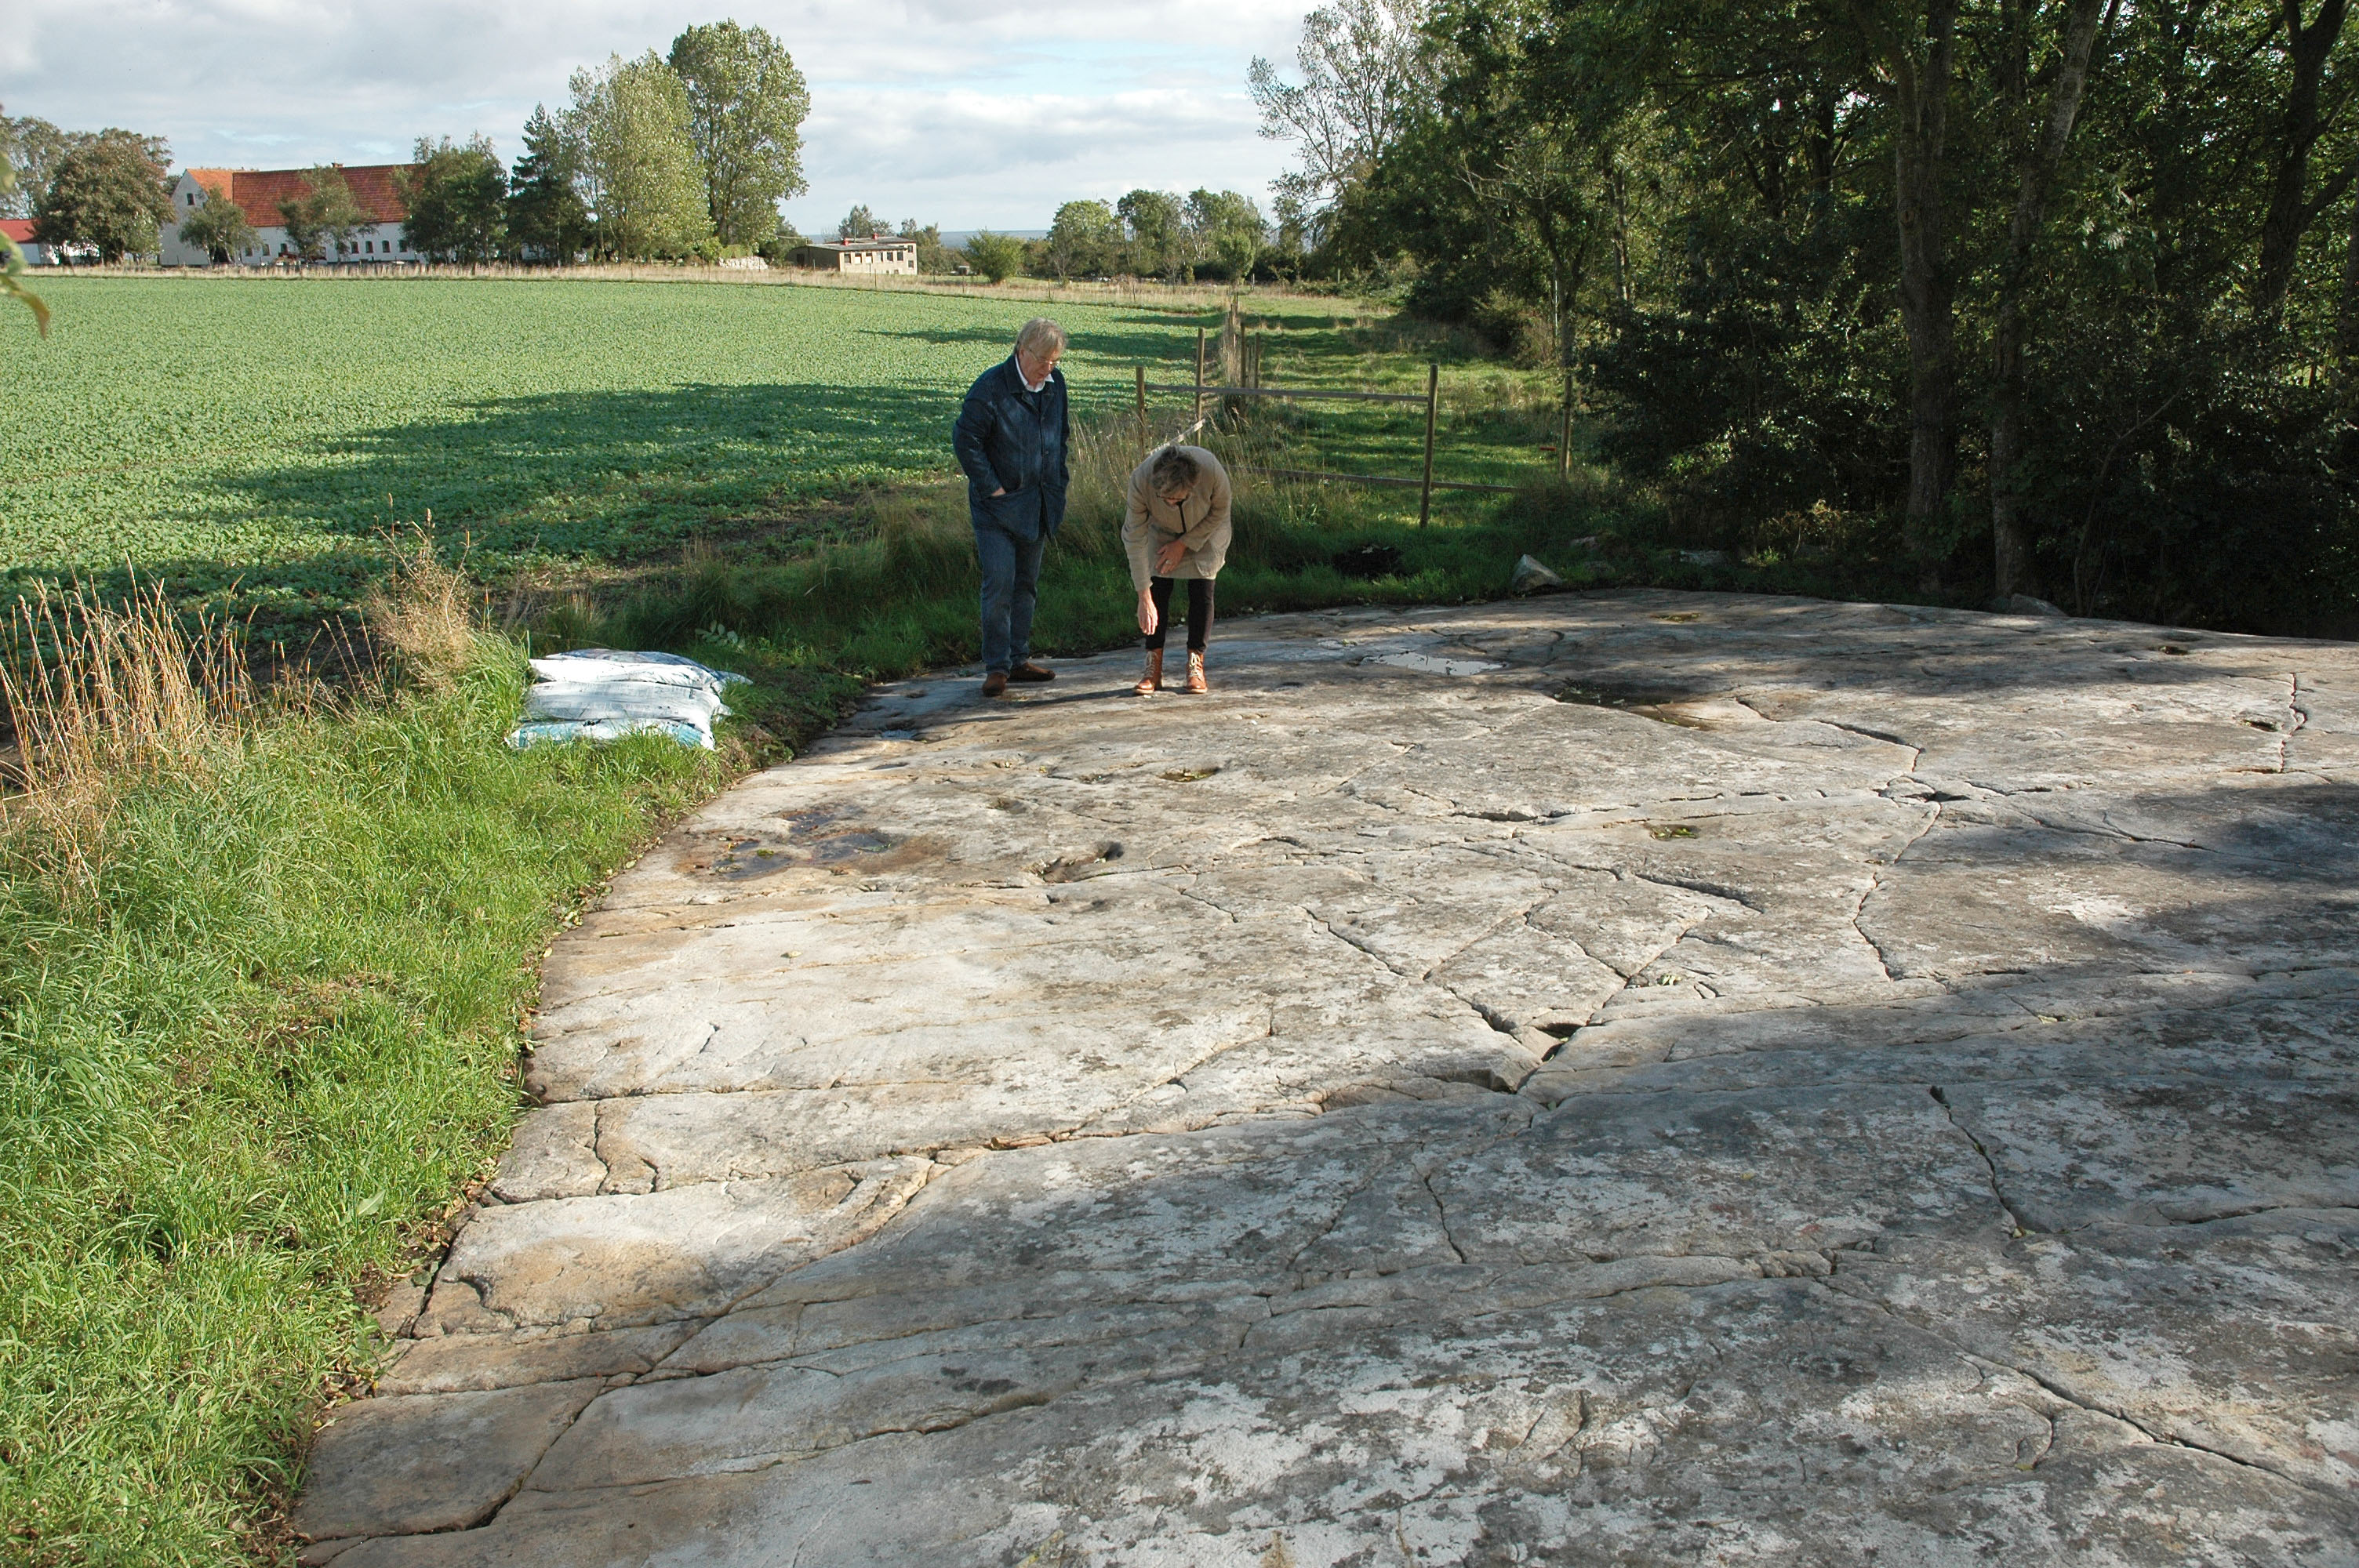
x=1629, y=1077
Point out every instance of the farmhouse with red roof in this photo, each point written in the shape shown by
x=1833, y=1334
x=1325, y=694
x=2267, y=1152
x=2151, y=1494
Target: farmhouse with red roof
x=21, y=231
x=258, y=191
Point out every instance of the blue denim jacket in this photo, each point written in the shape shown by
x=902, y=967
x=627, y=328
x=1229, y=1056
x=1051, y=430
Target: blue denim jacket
x=1008, y=438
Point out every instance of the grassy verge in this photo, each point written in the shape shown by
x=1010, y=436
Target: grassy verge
x=260, y=995
x=901, y=596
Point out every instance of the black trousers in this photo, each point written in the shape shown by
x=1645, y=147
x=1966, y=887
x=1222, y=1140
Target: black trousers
x=1200, y=612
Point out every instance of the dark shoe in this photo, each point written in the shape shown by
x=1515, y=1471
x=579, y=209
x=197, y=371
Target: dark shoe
x=996, y=684
x=1028, y=671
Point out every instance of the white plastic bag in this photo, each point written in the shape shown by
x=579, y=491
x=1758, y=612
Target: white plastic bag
x=604, y=694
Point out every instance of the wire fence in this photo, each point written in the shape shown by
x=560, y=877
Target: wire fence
x=1242, y=359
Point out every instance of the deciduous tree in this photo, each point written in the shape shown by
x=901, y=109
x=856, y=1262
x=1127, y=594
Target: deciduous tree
x=325, y=215
x=1365, y=74
x=746, y=106
x=640, y=173
x=1226, y=230
x=457, y=197
x=1083, y=238
x=859, y=223
x=932, y=255
x=219, y=229
x=34, y=146
x=996, y=256
x=1157, y=233
x=106, y=192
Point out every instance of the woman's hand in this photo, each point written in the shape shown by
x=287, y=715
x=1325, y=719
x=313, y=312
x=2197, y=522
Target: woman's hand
x=1147, y=620
x=1167, y=558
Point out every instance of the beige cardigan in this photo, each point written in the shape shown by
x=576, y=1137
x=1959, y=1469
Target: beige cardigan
x=1200, y=522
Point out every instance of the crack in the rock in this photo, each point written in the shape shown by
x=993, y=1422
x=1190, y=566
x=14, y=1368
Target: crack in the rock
x=1269, y=1031
x=1342, y=1207
x=1442, y=1215
x=2301, y=716
x=2162, y=1439
x=2013, y=1220
x=1875, y=885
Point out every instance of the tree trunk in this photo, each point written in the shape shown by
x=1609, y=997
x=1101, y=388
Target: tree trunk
x=2292, y=209
x=2347, y=312
x=1921, y=95
x=2010, y=539
x=2346, y=347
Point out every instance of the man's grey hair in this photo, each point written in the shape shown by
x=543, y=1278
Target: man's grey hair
x=1039, y=336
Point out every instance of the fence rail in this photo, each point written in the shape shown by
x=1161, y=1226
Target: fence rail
x=1375, y=478
x=1282, y=392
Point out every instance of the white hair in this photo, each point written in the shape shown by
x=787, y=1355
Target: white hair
x=1039, y=336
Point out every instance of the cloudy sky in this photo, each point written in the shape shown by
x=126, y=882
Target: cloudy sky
x=965, y=113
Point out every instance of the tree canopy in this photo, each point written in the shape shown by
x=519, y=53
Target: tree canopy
x=105, y=191
x=457, y=196
x=640, y=176
x=1085, y=237
x=326, y=214
x=2053, y=297
x=746, y=105
x=219, y=229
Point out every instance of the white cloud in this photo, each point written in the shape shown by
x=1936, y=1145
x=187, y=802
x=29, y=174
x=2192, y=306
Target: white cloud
x=965, y=111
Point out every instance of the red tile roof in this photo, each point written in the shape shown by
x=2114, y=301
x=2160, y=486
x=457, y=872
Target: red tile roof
x=18, y=229
x=260, y=191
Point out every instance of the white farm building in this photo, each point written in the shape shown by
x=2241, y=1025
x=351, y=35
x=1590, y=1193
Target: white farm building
x=375, y=187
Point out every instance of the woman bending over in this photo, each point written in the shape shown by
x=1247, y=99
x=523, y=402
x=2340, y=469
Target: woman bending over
x=1177, y=526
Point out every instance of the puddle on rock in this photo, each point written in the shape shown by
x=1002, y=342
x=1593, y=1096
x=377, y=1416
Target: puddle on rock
x=819, y=838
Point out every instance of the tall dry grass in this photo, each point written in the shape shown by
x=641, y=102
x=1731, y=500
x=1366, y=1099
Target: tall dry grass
x=100, y=695
x=104, y=694
x=427, y=619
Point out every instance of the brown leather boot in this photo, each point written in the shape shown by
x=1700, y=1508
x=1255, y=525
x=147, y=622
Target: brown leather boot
x=1152, y=681
x=996, y=684
x=1196, y=671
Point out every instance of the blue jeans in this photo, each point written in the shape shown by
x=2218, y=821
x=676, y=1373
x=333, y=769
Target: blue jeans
x=1011, y=577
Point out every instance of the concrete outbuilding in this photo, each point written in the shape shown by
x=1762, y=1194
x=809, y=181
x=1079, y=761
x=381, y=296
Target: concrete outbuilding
x=877, y=253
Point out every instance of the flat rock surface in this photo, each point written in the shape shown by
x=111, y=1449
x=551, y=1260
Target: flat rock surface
x=1620, y=1078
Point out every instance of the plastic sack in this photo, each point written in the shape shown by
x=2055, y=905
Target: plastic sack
x=604, y=694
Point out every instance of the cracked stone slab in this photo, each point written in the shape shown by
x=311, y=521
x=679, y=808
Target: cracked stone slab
x=1631, y=1077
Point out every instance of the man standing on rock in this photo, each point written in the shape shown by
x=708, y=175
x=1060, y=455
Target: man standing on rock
x=1010, y=439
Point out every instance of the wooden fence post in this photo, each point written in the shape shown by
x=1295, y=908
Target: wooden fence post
x=1425, y=493
x=1142, y=407
x=1565, y=433
x=1200, y=377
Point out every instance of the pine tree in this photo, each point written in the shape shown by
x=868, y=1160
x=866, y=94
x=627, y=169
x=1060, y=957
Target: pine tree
x=546, y=220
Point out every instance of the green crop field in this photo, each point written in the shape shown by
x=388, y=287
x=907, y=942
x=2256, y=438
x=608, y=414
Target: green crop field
x=248, y=440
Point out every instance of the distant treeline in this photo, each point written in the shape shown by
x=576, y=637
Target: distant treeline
x=1207, y=235
x=679, y=156
x=2056, y=296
